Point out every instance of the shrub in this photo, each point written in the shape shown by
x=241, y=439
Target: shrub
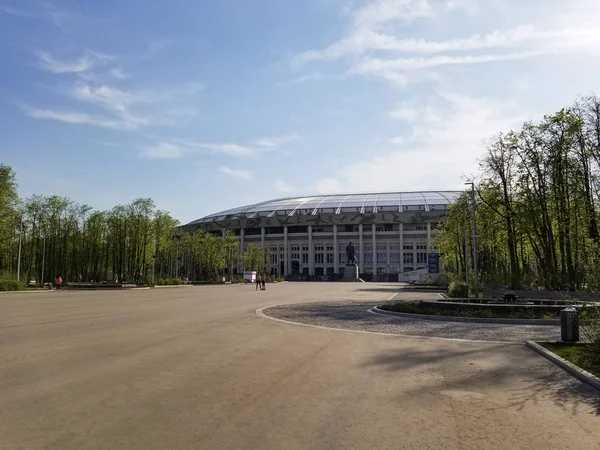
x=589, y=326
x=10, y=285
x=168, y=281
x=458, y=289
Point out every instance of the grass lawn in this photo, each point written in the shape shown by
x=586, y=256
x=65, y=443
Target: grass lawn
x=574, y=353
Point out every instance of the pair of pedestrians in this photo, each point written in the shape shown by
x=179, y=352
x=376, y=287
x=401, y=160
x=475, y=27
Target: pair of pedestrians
x=261, y=282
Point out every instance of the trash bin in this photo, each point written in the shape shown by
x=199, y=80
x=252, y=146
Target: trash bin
x=569, y=325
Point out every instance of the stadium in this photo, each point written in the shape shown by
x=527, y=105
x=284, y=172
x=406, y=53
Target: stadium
x=305, y=237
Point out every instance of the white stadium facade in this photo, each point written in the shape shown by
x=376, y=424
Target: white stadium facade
x=306, y=237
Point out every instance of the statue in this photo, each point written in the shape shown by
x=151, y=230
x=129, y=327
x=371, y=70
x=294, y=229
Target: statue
x=350, y=254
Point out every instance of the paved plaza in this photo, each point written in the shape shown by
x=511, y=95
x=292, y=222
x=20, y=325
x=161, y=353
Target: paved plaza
x=196, y=367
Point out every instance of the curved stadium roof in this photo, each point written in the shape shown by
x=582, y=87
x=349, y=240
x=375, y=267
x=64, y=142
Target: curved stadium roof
x=339, y=203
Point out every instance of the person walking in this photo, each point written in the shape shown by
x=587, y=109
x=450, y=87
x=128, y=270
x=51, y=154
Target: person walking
x=59, y=282
x=264, y=282
x=257, y=282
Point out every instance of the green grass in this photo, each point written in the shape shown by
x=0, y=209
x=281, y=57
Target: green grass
x=498, y=313
x=577, y=354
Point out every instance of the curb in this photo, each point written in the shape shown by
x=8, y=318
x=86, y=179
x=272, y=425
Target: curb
x=376, y=310
x=260, y=313
x=175, y=286
x=576, y=371
x=25, y=291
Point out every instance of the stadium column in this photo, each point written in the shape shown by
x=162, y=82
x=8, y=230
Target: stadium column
x=262, y=237
x=336, y=252
x=242, y=247
x=414, y=247
x=311, y=253
x=373, y=232
x=387, y=256
x=285, y=251
x=361, y=250
x=428, y=237
x=401, y=228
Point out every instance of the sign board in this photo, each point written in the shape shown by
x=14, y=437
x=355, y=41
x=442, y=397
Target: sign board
x=433, y=262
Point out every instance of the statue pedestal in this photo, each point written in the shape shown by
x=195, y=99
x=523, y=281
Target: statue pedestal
x=350, y=273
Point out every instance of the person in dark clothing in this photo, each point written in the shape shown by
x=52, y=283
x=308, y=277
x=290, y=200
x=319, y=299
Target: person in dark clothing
x=264, y=282
x=257, y=282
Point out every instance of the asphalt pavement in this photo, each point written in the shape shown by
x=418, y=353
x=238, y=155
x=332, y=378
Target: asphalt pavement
x=196, y=368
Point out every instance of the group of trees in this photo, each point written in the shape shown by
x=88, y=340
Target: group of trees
x=537, y=206
x=43, y=237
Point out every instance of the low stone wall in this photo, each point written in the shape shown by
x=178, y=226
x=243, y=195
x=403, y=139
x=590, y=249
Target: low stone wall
x=541, y=309
x=551, y=295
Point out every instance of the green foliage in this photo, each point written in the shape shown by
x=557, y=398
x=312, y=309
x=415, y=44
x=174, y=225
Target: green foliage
x=589, y=327
x=10, y=285
x=537, y=207
x=133, y=243
x=168, y=282
x=255, y=257
x=581, y=355
x=458, y=289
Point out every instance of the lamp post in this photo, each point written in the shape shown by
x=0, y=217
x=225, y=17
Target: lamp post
x=153, y=260
x=19, y=257
x=475, y=271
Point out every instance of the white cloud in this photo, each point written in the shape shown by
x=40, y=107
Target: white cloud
x=234, y=173
x=76, y=118
x=41, y=10
x=527, y=36
x=163, y=150
x=375, y=46
x=126, y=110
x=228, y=149
x=273, y=142
x=118, y=73
x=104, y=143
x=331, y=186
x=301, y=79
x=436, y=151
x=282, y=186
x=82, y=64
x=380, y=12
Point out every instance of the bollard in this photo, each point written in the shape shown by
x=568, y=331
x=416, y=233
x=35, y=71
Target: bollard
x=569, y=325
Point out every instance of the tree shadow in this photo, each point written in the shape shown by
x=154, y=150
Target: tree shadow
x=498, y=367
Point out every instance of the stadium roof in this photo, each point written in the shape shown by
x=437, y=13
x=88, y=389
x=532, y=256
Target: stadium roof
x=340, y=204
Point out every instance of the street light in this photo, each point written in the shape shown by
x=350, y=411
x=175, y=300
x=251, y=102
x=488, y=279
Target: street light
x=153, y=260
x=475, y=272
x=19, y=258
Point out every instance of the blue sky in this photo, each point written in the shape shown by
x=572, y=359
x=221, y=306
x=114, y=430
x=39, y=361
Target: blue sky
x=205, y=105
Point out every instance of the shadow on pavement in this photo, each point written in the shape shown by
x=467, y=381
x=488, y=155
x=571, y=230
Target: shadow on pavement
x=496, y=367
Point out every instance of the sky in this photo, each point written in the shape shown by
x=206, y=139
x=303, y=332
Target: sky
x=207, y=105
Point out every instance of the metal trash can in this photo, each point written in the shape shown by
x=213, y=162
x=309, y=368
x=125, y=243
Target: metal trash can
x=569, y=324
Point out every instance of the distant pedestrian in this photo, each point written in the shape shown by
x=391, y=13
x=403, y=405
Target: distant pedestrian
x=257, y=283
x=264, y=282
x=59, y=282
